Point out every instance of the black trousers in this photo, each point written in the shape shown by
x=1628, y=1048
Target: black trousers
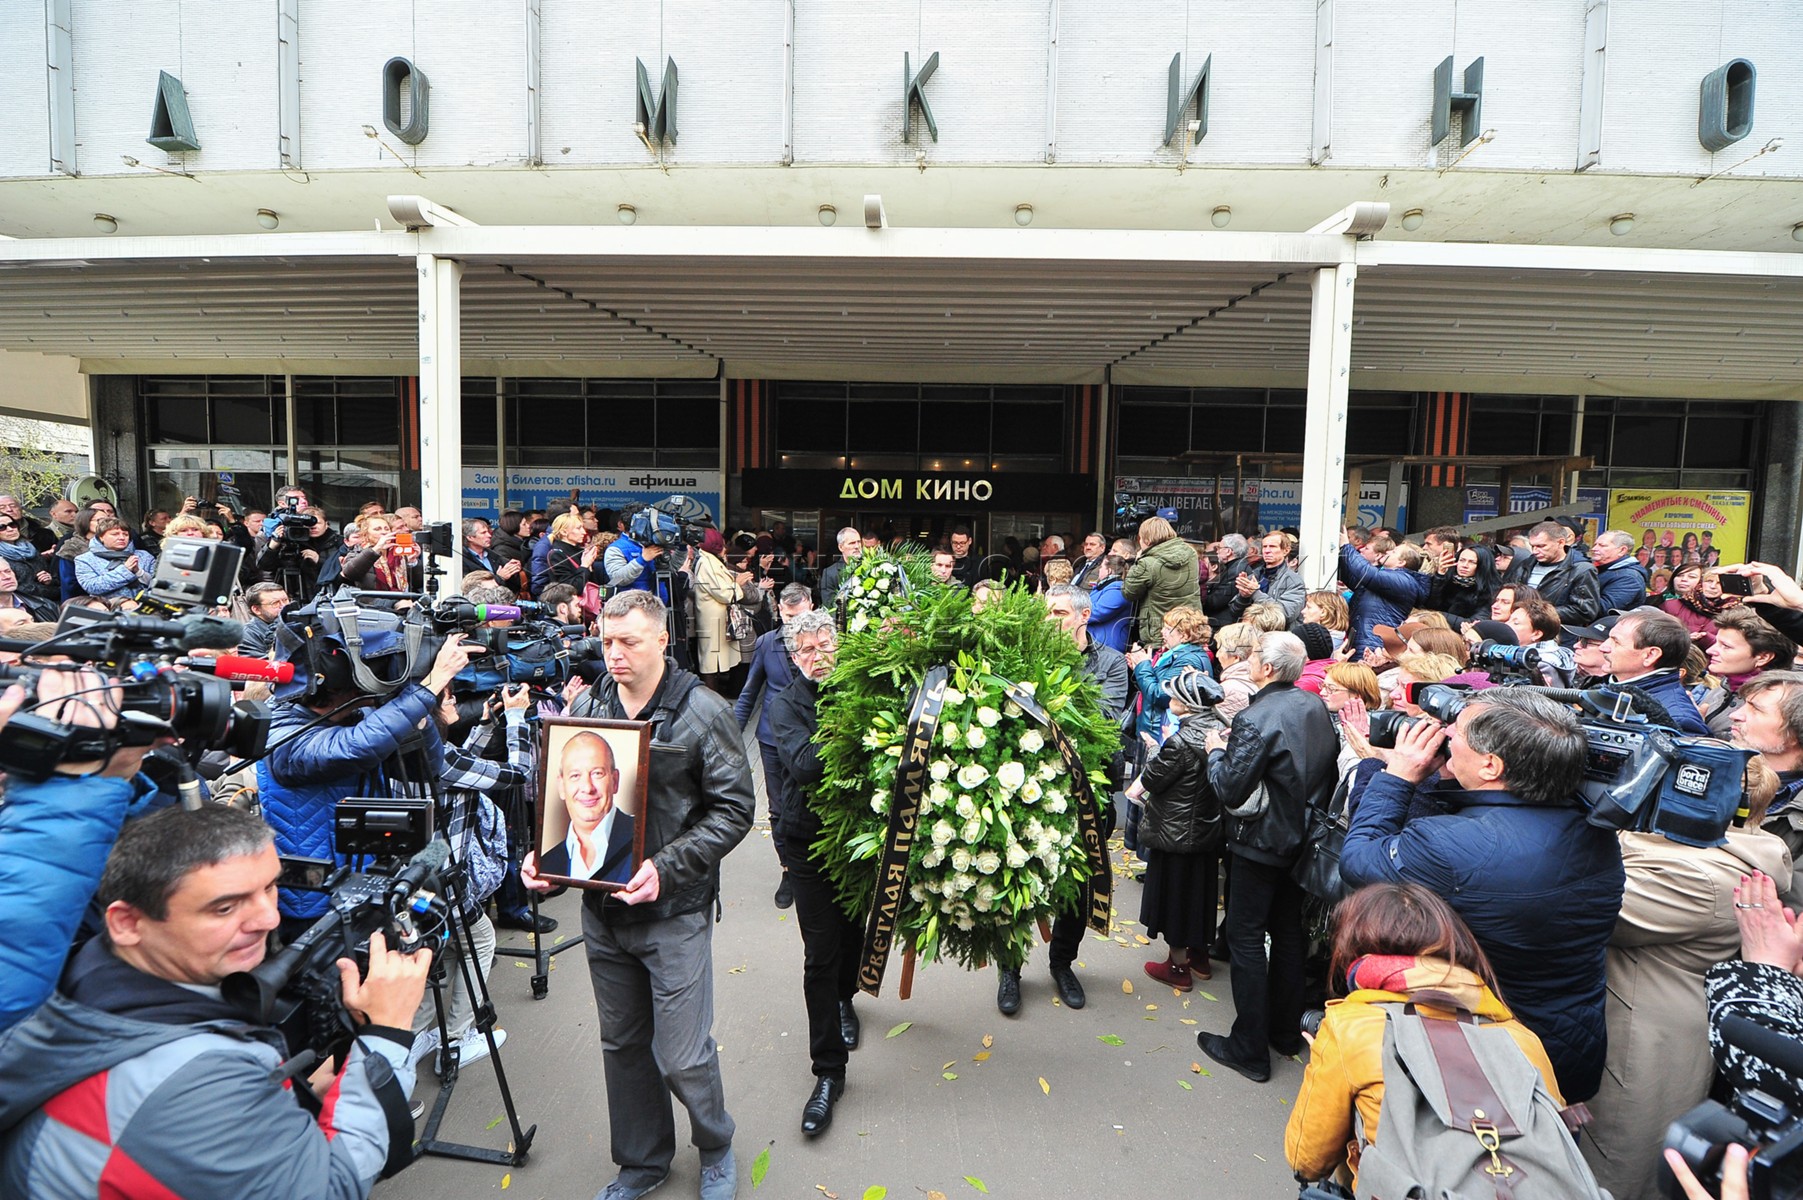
x=773, y=792
x=1267, y=994
x=1067, y=937
x=830, y=947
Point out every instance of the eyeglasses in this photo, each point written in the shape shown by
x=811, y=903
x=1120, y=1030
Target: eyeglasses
x=802, y=652
x=1328, y=687
x=8, y=525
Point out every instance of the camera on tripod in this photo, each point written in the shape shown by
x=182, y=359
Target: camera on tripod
x=1128, y=513
x=672, y=521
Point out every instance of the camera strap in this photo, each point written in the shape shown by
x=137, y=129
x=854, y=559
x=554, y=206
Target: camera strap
x=340, y=617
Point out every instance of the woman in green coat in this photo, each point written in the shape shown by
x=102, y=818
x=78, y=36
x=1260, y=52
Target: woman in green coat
x=1161, y=578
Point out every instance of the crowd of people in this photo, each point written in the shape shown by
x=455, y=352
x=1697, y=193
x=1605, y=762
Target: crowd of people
x=1474, y=886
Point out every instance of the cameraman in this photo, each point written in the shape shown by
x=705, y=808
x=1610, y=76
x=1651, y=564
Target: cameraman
x=301, y=551
x=628, y=563
x=138, y=1079
x=1506, y=841
x=353, y=753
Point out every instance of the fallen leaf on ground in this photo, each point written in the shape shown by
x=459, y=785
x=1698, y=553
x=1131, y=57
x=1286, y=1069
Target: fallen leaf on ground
x=507, y=1181
x=1044, y=1086
x=974, y=1182
x=980, y=1056
x=988, y=1040
x=1111, y=1039
x=1127, y=986
x=947, y=1075
x=496, y=1121
x=821, y=1188
x=875, y=1191
x=1186, y=1085
x=898, y=1030
x=1142, y=939
x=1187, y=1020
x=948, y=1066
x=760, y=1165
x=735, y=970
x=1207, y=996
x=935, y=1196
x=1151, y=1008
x=1196, y=1067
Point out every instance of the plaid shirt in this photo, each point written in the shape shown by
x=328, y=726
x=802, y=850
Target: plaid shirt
x=466, y=772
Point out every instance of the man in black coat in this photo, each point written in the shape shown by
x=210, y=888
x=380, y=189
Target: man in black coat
x=1563, y=579
x=830, y=941
x=1284, y=742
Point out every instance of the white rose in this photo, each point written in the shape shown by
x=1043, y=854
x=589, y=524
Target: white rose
x=953, y=697
x=943, y=833
x=984, y=900
x=1064, y=839
x=975, y=738
x=879, y=803
x=1017, y=855
x=965, y=922
x=1011, y=709
x=1032, y=742
x=946, y=905
x=967, y=808
x=858, y=624
x=933, y=858
x=1054, y=802
x=972, y=831
x=1029, y=687
x=989, y=862
x=949, y=733
x=960, y=859
x=939, y=794
x=963, y=882
x=988, y=717
x=1030, y=791
x=1010, y=775
x=918, y=893
x=1048, y=770
x=941, y=770
x=972, y=776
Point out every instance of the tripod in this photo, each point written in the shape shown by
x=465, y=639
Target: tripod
x=461, y=945
x=541, y=952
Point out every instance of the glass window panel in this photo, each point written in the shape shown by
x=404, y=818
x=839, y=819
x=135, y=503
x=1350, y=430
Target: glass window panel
x=1025, y=462
x=372, y=459
x=1380, y=431
x=242, y=420
x=479, y=416
x=684, y=458
x=372, y=421
x=175, y=420
x=809, y=390
x=954, y=428
x=810, y=425
x=1028, y=429
x=1493, y=432
x=1031, y=394
x=1647, y=441
x=889, y=425
x=1555, y=434
x=1596, y=436
x=1145, y=429
x=243, y=460
x=180, y=460
x=542, y=421
x=315, y=420
x=546, y=456
x=342, y=493
x=1718, y=442
x=1715, y=479
x=1289, y=398
x=688, y=422
x=617, y=421
x=1224, y=428
x=1283, y=434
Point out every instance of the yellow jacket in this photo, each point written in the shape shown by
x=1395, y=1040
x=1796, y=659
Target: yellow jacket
x=1345, y=1067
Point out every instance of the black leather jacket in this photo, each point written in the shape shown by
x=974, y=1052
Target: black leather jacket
x=793, y=721
x=1221, y=591
x=700, y=804
x=1285, y=740
x=1181, y=813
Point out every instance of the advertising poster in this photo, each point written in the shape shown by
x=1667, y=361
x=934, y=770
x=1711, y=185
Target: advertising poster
x=1675, y=527
x=604, y=487
x=1484, y=500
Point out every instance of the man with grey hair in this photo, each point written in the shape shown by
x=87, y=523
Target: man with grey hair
x=1645, y=648
x=1067, y=606
x=478, y=541
x=1231, y=561
x=851, y=545
x=769, y=674
x=1503, y=837
x=1282, y=746
x=830, y=940
x=1620, y=579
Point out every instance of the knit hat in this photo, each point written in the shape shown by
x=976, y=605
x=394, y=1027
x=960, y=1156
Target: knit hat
x=1496, y=631
x=1195, y=690
x=1316, y=640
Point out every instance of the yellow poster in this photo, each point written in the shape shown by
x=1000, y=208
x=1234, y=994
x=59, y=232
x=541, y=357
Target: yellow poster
x=1675, y=527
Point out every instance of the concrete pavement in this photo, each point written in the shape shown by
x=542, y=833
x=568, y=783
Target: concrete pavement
x=1109, y=1120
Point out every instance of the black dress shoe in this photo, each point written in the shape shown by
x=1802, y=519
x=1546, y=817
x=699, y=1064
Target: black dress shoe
x=850, y=1028
x=817, y=1113
x=1007, y=992
x=1069, y=989
x=522, y=918
x=1216, y=1047
x=785, y=895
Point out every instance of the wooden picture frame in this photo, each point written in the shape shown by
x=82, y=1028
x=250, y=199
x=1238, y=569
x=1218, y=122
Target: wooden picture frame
x=573, y=763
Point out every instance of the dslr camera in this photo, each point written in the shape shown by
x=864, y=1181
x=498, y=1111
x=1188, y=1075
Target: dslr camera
x=1765, y=1125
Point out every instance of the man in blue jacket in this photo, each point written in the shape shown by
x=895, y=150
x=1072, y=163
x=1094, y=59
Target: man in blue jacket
x=1505, y=840
x=1110, y=612
x=1382, y=594
x=1620, y=579
x=771, y=671
x=1646, y=648
x=311, y=769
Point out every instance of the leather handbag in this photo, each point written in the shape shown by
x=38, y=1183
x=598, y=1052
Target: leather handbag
x=1317, y=871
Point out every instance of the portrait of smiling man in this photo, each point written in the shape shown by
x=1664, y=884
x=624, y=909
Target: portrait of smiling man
x=599, y=842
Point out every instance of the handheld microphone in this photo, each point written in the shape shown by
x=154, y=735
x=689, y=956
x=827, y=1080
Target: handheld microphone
x=241, y=668
x=508, y=612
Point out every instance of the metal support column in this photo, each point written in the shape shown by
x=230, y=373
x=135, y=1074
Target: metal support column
x=1324, y=434
x=1104, y=451
x=500, y=445
x=441, y=394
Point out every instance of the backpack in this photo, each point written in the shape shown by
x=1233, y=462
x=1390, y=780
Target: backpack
x=1433, y=1144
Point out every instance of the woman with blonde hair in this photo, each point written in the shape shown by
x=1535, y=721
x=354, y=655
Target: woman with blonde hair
x=1350, y=691
x=381, y=564
x=1233, y=648
x=1328, y=610
x=575, y=553
x=1162, y=577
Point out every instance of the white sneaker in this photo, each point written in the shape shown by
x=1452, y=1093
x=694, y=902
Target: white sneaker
x=425, y=1045
x=472, y=1046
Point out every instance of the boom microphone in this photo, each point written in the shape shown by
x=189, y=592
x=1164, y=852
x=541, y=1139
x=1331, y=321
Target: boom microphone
x=204, y=632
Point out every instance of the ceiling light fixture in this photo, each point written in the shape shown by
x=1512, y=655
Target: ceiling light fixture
x=1622, y=225
x=105, y=223
x=1023, y=214
x=627, y=214
x=268, y=218
x=828, y=215
x=1221, y=217
x=1412, y=219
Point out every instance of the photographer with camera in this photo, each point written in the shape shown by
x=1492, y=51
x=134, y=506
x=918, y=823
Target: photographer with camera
x=630, y=563
x=1505, y=839
x=300, y=551
x=650, y=945
x=353, y=753
x=139, y=1079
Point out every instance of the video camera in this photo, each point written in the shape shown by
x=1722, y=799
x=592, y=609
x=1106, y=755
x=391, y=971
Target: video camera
x=1765, y=1125
x=1638, y=776
x=139, y=655
x=298, y=989
x=1499, y=658
x=291, y=524
x=672, y=521
x=1128, y=513
x=535, y=650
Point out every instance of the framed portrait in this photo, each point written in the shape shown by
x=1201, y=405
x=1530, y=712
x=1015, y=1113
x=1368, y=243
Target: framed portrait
x=593, y=777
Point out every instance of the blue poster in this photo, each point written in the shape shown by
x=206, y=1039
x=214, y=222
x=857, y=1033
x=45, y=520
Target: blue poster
x=605, y=487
